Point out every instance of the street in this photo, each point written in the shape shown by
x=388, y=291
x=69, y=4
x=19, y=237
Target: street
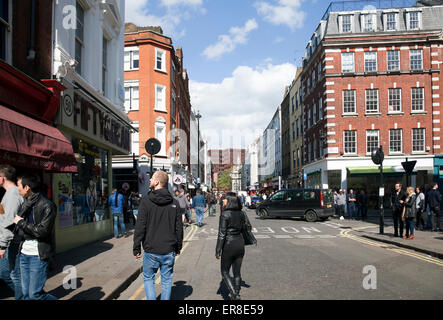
x=295, y=259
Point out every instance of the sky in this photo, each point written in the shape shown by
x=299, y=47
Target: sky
x=239, y=55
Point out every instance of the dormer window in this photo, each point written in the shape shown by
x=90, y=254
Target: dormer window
x=368, y=22
x=346, y=23
x=391, y=21
x=413, y=20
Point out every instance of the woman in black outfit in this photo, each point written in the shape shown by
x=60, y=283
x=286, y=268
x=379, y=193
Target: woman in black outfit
x=230, y=243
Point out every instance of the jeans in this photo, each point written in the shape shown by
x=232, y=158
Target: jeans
x=118, y=217
x=34, y=273
x=351, y=210
x=10, y=270
x=435, y=213
x=409, y=226
x=199, y=212
x=211, y=209
x=151, y=263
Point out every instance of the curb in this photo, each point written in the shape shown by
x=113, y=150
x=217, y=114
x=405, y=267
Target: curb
x=425, y=251
x=127, y=282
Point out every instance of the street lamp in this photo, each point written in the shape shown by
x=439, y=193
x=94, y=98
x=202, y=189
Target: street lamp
x=198, y=116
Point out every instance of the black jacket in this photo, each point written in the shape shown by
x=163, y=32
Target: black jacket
x=43, y=228
x=434, y=198
x=395, y=200
x=230, y=227
x=159, y=224
x=411, y=207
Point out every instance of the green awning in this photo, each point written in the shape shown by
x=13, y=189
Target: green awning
x=374, y=170
x=314, y=172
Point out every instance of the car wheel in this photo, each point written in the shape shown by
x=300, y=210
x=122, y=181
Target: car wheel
x=263, y=214
x=311, y=216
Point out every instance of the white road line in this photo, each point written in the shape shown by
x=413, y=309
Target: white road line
x=284, y=236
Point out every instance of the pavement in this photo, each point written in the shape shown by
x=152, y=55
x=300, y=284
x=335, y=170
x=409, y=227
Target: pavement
x=105, y=268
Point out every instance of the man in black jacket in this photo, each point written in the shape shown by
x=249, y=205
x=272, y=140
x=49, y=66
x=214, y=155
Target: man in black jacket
x=434, y=198
x=35, y=226
x=398, y=202
x=159, y=228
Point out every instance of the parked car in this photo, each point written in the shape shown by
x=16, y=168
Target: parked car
x=310, y=204
x=255, y=201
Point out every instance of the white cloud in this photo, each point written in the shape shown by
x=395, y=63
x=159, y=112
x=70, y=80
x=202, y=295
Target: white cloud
x=228, y=43
x=137, y=11
x=285, y=12
x=242, y=105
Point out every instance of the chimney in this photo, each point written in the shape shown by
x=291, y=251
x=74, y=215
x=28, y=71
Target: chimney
x=179, y=54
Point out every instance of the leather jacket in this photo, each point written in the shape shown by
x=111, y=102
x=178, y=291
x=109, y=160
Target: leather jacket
x=43, y=228
x=230, y=228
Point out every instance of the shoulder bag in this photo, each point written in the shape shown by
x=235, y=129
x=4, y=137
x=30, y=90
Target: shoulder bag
x=248, y=236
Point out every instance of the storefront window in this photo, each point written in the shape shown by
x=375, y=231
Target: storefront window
x=90, y=183
x=334, y=179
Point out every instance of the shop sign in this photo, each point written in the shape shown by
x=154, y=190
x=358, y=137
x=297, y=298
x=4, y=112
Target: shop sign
x=94, y=122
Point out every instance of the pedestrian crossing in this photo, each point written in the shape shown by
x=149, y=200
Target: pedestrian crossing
x=276, y=236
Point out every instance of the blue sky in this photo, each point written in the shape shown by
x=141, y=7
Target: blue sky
x=239, y=56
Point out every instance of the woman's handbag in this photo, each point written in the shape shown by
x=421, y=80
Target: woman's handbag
x=248, y=236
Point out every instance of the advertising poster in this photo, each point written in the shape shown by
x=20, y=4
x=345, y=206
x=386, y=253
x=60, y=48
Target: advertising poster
x=65, y=207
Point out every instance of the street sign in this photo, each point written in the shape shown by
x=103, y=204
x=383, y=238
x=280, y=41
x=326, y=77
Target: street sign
x=178, y=179
x=409, y=166
x=153, y=146
x=382, y=192
x=377, y=155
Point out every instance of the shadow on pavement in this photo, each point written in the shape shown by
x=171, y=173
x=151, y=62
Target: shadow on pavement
x=224, y=291
x=180, y=291
x=61, y=292
x=95, y=293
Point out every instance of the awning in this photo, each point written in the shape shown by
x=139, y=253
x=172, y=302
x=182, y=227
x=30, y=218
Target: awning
x=374, y=170
x=314, y=172
x=30, y=143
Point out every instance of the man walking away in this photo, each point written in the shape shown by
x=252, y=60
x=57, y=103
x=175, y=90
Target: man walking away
x=211, y=203
x=183, y=203
x=36, y=227
x=9, y=257
x=199, y=204
x=434, y=204
x=115, y=201
x=159, y=228
x=398, y=200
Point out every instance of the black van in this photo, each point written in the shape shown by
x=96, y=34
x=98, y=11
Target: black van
x=311, y=204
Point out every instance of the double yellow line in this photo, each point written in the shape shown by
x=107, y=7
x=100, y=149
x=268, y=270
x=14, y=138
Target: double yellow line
x=186, y=241
x=345, y=234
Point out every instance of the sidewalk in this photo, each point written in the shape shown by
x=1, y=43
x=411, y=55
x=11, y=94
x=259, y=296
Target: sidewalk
x=104, y=269
x=430, y=243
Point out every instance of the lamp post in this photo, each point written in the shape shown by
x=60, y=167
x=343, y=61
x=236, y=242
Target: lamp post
x=378, y=156
x=198, y=116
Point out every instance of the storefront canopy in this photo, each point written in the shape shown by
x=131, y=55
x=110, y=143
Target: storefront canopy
x=30, y=143
x=388, y=170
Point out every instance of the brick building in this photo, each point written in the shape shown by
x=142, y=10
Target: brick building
x=224, y=159
x=371, y=77
x=157, y=101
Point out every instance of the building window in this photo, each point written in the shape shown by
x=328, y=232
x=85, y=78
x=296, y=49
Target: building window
x=160, y=62
x=395, y=141
x=418, y=140
x=293, y=104
x=131, y=96
x=79, y=37
x=418, y=99
x=372, y=101
x=135, y=139
x=391, y=21
x=314, y=110
x=347, y=62
x=293, y=131
x=160, y=134
x=319, y=71
x=394, y=100
x=372, y=140
x=368, y=22
x=393, y=60
x=414, y=22
x=5, y=30
x=173, y=74
x=350, y=139
x=297, y=122
x=320, y=109
x=160, y=97
x=349, y=101
x=416, y=58
x=173, y=106
x=105, y=64
x=370, y=61
x=313, y=78
x=131, y=58
x=346, y=23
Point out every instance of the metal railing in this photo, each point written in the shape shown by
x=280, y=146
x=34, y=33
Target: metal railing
x=354, y=5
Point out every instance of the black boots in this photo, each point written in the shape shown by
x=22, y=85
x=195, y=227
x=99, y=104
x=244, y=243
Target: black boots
x=237, y=286
x=234, y=289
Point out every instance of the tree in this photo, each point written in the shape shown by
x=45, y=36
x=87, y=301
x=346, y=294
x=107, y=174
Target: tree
x=224, y=179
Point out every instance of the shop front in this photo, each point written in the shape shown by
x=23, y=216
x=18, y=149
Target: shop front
x=96, y=131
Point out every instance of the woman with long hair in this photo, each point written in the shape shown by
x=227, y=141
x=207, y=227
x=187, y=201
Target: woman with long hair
x=409, y=213
x=420, y=222
x=230, y=243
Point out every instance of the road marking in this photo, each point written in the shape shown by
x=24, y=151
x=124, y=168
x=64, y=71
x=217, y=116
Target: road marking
x=186, y=241
x=283, y=236
x=345, y=233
